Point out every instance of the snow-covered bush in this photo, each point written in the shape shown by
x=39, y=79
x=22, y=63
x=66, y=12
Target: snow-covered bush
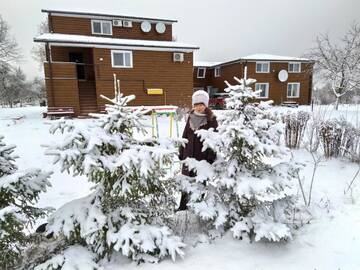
x=19, y=191
x=350, y=141
x=340, y=138
x=295, y=125
x=330, y=133
x=132, y=196
x=249, y=187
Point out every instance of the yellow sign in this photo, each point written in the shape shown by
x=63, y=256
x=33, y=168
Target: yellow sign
x=154, y=91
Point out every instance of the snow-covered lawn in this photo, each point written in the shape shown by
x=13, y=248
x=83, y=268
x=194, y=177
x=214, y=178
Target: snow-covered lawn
x=330, y=241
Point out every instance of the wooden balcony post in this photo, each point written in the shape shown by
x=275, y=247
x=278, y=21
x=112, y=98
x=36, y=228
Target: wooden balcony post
x=48, y=58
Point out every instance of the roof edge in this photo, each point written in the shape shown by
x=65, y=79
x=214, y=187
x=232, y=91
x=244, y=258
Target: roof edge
x=241, y=60
x=119, y=44
x=106, y=15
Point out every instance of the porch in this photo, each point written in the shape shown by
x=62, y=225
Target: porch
x=70, y=79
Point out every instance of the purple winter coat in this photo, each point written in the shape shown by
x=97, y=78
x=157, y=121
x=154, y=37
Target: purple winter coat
x=193, y=147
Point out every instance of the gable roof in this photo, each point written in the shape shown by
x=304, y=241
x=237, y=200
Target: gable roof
x=106, y=42
x=110, y=16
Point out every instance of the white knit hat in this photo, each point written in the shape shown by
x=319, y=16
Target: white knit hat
x=200, y=96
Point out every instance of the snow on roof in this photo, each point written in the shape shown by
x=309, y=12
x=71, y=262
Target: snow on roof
x=254, y=57
x=106, y=41
x=206, y=64
x=85, y=12
x=261, y=56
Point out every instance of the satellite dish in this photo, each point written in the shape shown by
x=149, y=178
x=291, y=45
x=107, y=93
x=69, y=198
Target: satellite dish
x=160, y=28
x=146, y=26
x=283, y=75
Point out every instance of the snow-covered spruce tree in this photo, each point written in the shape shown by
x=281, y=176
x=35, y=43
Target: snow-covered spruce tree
x=127, y=211
x=19, y=191
x=249, y=187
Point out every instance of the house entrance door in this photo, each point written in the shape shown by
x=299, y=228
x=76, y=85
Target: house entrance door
x=78, y=58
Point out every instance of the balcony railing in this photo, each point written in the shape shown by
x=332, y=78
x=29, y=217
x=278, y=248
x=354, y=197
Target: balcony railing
x=70, y=71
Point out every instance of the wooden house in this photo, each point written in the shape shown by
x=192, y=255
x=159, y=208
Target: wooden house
x=85, y=50
x=280, y=78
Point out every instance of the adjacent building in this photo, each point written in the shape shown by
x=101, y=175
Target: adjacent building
x=85, y=50
x=280, y=78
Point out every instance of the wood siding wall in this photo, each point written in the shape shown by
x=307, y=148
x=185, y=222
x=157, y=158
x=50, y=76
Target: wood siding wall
x=277, y=89
x=82, y=26
x=150, y=70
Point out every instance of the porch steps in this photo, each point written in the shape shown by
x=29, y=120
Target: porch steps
x=87, y=98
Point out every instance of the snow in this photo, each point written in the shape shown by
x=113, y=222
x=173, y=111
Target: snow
x=101, y=41
x=331, y=240
x=255, y=57
x=262, y=56
x=206, y=64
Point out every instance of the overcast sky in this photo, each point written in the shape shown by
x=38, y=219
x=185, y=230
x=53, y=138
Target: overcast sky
x=223, y=29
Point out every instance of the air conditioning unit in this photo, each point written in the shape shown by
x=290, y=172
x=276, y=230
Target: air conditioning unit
x=117, y=23
x=178, y=57
x=127, y=24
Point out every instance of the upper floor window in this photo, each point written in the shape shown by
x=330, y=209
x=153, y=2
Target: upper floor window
x=217, y=72
x=264, y=87
x=201, y=72
x=121, y=59
x=101, y=27
x=294, y=67
x=262, y=67
x=293, y=90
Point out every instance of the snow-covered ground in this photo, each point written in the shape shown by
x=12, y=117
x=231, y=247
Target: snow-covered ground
x=330, y=241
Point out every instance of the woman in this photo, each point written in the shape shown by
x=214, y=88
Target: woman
x=200, y=117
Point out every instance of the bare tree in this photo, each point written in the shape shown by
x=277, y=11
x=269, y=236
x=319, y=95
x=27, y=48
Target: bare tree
x=9, y=51
x=13, y=86
x=38, y=51
x=339, y=63
x=5, y=72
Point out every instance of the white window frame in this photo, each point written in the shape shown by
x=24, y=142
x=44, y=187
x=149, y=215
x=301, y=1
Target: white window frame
x=266, y=90
x=262, y=62
x=123, y=52
x=202, y=68
x=294, y=63
x=101, y=24
x=287, y=90
x=217, y=72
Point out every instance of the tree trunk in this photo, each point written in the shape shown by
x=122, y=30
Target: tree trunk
x=337, y=103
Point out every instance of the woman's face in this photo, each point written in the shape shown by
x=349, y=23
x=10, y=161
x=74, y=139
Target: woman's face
x=199, y=107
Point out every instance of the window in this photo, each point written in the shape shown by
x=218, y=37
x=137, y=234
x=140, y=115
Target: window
x=121, y=59
x=201, y=72
x=294, y=67
x=293, y=90
x=101, y=27
x=264, y=87
x=217, y=72
x=262, y=67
